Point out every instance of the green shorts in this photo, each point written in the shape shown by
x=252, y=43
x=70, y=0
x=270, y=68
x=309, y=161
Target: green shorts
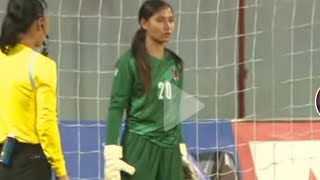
x=152, y=162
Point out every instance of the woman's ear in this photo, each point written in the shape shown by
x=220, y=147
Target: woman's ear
x=41, y=22
x=143, y=24
x=36, y=26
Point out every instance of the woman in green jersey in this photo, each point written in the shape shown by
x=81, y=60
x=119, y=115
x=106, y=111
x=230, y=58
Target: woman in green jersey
x=147, y=84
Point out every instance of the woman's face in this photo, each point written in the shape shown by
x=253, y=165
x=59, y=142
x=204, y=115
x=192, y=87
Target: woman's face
x=160, y=26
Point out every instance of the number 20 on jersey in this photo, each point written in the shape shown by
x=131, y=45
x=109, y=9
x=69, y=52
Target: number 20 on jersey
x=165, y=90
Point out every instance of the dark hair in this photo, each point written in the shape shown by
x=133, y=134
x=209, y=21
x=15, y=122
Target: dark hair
x=18, y=19
x=139, y=50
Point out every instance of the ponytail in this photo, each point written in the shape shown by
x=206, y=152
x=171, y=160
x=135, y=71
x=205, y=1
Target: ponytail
x=9, y=37
x=13, y=24
x=141, y=55
x=20, y=16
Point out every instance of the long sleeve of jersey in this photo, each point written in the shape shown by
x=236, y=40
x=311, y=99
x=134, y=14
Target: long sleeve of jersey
x=182, y=139
x=47, y=121
x=121, y=90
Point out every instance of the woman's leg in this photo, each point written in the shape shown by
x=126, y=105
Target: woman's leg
x=141, y=154
x=171, y=166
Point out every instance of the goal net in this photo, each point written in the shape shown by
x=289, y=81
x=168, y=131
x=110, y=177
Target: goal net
x=277, y=43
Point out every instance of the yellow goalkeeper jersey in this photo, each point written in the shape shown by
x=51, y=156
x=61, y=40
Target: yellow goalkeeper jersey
x=28, y=102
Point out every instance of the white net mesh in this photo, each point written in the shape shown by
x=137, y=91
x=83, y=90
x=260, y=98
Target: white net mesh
x=282, y=55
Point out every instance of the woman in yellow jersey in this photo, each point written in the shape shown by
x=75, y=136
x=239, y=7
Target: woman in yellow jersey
x=29, y=135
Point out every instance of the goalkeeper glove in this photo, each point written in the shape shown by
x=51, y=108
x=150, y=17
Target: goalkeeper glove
x=114, y=164
x=190, y=172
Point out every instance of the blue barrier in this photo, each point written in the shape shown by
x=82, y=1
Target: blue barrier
x=83, y=143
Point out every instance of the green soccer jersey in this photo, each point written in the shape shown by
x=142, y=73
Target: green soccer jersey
x=154, y=115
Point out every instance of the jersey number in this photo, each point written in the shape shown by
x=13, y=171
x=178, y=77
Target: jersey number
x=165, y=90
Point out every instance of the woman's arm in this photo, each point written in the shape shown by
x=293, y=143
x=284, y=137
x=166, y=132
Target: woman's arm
x=121, y=92
x=47, y=120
